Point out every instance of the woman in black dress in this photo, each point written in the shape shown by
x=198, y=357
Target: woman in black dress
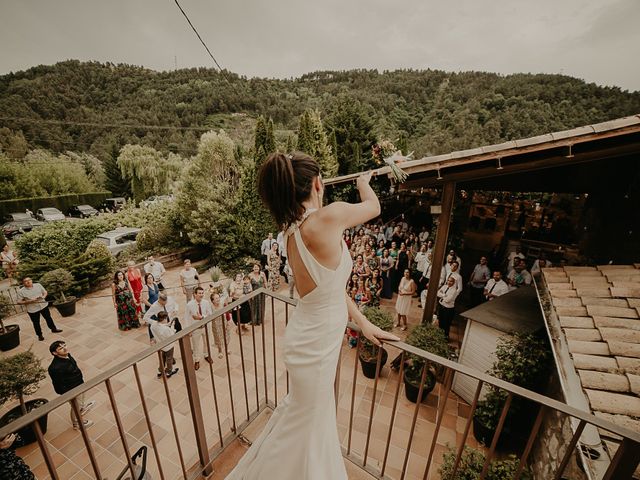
x=402, y=264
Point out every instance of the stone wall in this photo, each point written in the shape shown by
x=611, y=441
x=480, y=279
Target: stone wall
x=550, y=445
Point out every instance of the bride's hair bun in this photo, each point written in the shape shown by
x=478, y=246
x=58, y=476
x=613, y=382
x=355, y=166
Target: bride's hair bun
x=284, y=182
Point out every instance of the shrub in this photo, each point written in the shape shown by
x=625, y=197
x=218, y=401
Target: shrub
x=380, y=318
x=471, y=463
x=56, y=282
x=524, y=360
x=426, y=337
x=5, y=309
x=20, y=375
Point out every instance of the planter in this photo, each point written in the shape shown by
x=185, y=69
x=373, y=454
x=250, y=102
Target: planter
x=27, y=435
x=509, y=441
x=411, y=391
x=369, y=368
x=10, y=338
x=68, y=308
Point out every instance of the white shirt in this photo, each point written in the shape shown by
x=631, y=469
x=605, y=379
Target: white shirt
x=171, y=307
x=32, y=293
x=480, y=276
x=512, y=257
x=156, y=269
x=525, y=276
x=266, y=246
x=448, y=295
x=192, y=311
x=456, y=276
x=389, y=234
x=189, y=277
x=162, y=331
x=381, y=236
x=280, y=240
x=536, y=270
x=496, y=288
x=422, y=261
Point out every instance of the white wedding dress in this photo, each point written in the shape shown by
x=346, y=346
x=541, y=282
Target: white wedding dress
x=300, y=441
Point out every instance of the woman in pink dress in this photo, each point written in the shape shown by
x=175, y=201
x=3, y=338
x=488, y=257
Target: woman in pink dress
x=135, y=281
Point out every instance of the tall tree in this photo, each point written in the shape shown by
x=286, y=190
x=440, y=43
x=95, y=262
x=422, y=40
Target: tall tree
x=114, y=181
x=312, y=139
x=353, y=125
x=208, y=198
x=147, y=169
x=256, y=220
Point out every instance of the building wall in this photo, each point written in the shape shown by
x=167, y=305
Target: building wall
x=550, y=445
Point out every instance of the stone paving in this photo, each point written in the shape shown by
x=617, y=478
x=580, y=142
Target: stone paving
x=97, y=344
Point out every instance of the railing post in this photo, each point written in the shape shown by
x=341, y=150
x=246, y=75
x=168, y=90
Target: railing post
x=195, y=407
x=624, y=462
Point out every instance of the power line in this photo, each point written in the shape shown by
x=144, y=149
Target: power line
x=102, y=125
x=198, y=35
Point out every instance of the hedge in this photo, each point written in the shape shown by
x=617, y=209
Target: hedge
x=61, y=202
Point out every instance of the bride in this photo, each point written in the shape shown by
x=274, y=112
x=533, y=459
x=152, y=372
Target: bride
x=300, y=441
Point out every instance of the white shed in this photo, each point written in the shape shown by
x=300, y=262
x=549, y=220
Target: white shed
x=515, y=312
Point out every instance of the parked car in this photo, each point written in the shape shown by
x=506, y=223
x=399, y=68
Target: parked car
x=82, y=211
x=113, y=204
x=13, y=230
x=15, y=217
x=119, y=239
x=154, y=200
x=49, y=214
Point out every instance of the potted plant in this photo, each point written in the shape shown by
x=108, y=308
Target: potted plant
x=56, y=282
x=368, y=353
x=472, y=462
x=523, y=360
x=20, y=376
x=9, y=334
x=216, y=275
x=430, y=338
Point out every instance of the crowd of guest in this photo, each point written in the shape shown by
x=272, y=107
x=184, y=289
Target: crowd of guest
x=395, y=260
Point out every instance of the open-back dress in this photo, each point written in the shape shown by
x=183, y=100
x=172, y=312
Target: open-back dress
x=300, y=441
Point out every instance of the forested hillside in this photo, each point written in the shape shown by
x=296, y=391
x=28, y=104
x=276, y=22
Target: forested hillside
x=57, y=108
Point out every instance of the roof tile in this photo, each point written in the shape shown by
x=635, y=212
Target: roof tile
x=604, y=381
x=576, y=322
x=609, y=402
x=614, y=322
x=624, y=349
x=583, y=334
x=590, y=348
x=603, y=311
x=595, y=362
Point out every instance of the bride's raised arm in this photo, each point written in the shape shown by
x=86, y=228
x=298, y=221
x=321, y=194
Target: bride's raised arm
x=351, y=214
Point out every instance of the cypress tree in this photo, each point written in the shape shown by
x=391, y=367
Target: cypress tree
x=115, y=183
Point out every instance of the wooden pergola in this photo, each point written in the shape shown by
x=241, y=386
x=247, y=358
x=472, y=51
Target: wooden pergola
x=601, y=157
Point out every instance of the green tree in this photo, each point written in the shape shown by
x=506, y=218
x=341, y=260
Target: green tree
x=92, y=167
x=114, y=181
x=353, y=126
x=208, y=197
x=147, y=169
x=312, y=139
x=256, y=220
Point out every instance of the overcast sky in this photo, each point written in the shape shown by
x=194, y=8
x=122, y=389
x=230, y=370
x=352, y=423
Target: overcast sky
x=596, y=40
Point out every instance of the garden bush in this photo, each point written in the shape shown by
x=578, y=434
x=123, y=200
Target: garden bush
x=471, y=463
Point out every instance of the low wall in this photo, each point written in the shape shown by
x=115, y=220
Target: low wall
x=550, y=445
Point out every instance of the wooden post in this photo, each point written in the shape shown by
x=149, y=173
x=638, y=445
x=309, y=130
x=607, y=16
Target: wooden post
x=439, y=250
x=191, y=382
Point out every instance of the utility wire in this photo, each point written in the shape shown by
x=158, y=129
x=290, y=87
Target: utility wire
x=103, y=125
x=198, y=35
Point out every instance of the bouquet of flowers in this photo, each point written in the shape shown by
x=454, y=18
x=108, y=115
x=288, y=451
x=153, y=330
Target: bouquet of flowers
x=385, y=153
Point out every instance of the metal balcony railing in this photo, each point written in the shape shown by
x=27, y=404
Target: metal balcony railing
x=187, y=422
